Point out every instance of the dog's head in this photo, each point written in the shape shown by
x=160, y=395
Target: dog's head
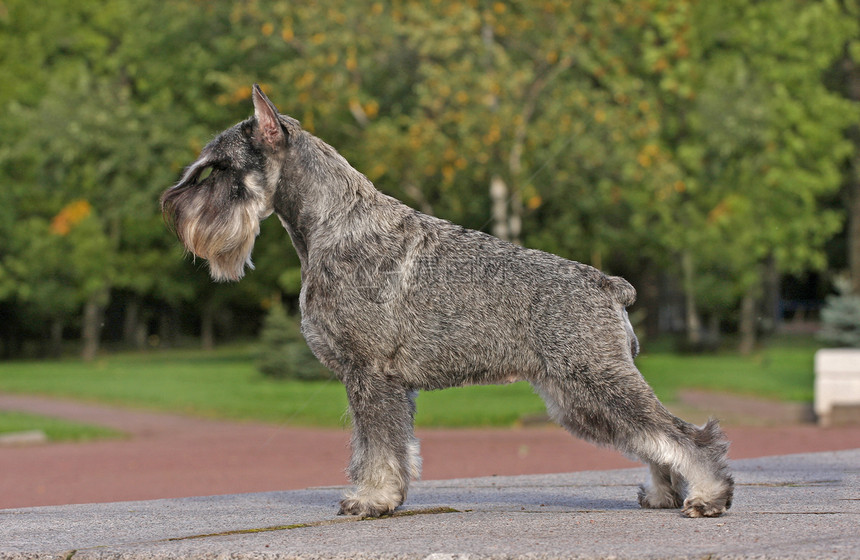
x=216, y=207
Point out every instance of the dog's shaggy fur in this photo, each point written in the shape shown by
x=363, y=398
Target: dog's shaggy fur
x=394, y=301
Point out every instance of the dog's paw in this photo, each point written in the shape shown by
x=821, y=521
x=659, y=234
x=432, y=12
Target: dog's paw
x=366, y=507
x=697, y=507
x=652, y=498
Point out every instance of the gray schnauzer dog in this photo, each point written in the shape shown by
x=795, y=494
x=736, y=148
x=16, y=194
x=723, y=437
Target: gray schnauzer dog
x=394, y=301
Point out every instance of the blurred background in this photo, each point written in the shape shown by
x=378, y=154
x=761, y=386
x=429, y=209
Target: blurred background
x=705, y=150
x=708, y=151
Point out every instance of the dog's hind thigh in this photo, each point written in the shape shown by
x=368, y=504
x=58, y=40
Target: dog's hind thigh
x=384, y=449
x=615, y=406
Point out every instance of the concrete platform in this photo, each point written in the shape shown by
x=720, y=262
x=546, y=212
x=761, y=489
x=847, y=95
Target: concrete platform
x=791, y=506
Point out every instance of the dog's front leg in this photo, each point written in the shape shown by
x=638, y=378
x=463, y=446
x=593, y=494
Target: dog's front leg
x=384, y=449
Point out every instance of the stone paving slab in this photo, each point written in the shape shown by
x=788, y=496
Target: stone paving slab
x=791, y=506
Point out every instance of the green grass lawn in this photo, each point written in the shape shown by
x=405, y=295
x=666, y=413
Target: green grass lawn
x=55, y=429
x=784, y=371
x=225, y=384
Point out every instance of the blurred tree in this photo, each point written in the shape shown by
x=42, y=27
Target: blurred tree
x=440, y=101
x=758, y=143
x=89, y=127
x=697, y=134
x=844, y=77
x=694, y=136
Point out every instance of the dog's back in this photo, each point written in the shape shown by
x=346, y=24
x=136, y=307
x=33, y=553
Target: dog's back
x=443, y=305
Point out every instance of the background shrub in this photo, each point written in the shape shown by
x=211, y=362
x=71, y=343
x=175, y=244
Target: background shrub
x=284, y=354
x=840, y=317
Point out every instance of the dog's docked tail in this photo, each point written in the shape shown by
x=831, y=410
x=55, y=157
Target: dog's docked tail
x=622, y=291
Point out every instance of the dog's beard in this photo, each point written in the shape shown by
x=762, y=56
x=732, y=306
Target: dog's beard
x=226, y=245
x=223, y=236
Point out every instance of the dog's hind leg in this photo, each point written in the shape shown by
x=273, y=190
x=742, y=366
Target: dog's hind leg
x=615, y=406
x=384, y=449
x=698, y=456
x=666, y=489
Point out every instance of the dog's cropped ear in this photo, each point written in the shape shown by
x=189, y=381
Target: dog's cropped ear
x=267, y=118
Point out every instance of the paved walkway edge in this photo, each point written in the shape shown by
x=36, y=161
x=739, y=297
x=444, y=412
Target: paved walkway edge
x=791, y=506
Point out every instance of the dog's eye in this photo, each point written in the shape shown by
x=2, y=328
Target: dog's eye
x=207, y=171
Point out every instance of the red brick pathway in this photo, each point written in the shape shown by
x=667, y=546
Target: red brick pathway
x=167, y=456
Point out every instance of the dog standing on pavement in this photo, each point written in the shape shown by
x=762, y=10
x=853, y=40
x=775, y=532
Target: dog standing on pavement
x=394, y=301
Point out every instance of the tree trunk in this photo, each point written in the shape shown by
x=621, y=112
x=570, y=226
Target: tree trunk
x=771, y=298
x=131, y=325
x=166, y=327
x=748, y=321
x=499, y=193
x=56, y=343
x=515, y=220
x=854, y=227
x=207, y=326
x=11, y=338
x=852, y=91
x=93, y=321
x=499, y=198
x=649, y=291
x=691, y=314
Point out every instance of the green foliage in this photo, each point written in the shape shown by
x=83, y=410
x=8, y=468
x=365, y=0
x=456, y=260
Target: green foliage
x=627, y=132
x=750, y=143
x=283, y=352
x=840, y=318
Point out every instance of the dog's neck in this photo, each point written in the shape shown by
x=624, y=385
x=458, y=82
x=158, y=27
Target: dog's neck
x=318, y=201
